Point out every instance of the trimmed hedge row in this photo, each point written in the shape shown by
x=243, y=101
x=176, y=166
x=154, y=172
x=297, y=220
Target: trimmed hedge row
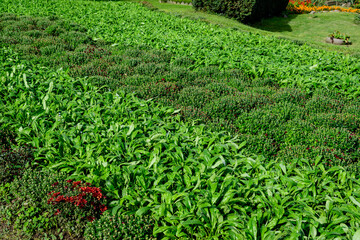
x=243, y=10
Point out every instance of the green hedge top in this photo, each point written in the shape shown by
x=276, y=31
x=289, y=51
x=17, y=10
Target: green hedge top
x=242, y=10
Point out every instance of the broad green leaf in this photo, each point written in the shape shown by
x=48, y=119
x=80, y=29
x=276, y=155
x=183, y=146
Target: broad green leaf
x=142, y=211
x=356, y=235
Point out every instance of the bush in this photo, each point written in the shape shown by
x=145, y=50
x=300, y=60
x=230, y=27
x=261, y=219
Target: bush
x=127, y=227
x=244, y=11
x=54, y=30
x=150, y=69
x=13, y=161
x=231, y=107
x=321, y=103
x=291, y=95
x=159, y=89
x=268, y=118
x=44, y=201
x=74, y=39
x=357, y=18
x=195, y=96
x=221, y=89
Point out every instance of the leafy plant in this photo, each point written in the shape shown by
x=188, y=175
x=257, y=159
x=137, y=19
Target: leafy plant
x=193, y=181
x=224, y=100
x=341, y=36
x=257, y=56
x=357, y=18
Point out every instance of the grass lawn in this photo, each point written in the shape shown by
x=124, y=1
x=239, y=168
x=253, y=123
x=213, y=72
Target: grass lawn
x=309, y=28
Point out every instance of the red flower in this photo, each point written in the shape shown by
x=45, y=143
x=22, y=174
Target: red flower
x=96, y=192
x=55, y=184
x=50, y=200
x=56, y=194
x=59, y=198
x=69, y=181
x=57, y=212
x=76, y=183
x=103, y=208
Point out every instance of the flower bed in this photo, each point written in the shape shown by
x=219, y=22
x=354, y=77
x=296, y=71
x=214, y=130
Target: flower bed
x=300, y=7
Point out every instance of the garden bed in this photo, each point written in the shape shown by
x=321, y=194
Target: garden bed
x=167, y=138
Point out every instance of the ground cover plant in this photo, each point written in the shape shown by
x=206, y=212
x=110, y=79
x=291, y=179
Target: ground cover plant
x=256, y=55
x=192, y=181
x=181, y=180
x=269, y=118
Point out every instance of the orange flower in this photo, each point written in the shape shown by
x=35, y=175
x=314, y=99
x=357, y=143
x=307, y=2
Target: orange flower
x=301, y=7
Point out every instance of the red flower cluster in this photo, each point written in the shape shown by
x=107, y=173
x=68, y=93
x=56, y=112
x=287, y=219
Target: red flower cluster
x=96, y=192
x=305, y=3
x=86, y=197
x=77, y=200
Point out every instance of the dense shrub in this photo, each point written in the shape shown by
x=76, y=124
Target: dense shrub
x=357, y=18
x=230, y=107
x=159, y=89
x=246, y=11
x=220, y=89
x=293, y=95
x=44, y=201
x=73, y=39
x=195, y=96
x=13, y=159
x=127, y=227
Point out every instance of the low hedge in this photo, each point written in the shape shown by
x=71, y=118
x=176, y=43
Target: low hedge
x=244, y=11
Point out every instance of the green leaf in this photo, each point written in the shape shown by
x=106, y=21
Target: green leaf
x=142, y=211
x=115, y=210
x=25, y=81
x=283, y=168
x=313, y=231
x=131, y=129
x=317, y=160
x=356, y=235
x=354, y=201
x=191, y=222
